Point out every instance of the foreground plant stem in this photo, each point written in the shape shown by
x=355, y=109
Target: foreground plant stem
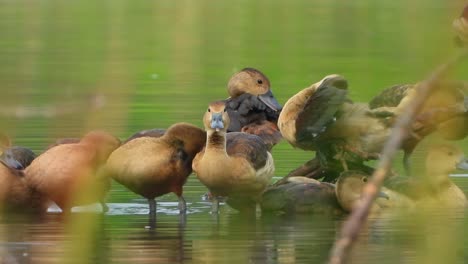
x=358, y=217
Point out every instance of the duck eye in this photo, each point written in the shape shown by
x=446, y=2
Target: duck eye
x=225, y=110
x=364, y=179
x=209, y=110
x=259, y=81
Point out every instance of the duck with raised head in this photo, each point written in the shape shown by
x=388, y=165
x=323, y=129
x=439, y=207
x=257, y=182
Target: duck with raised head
x=236, y=165
x=433, y=185
x=68, y=173
x=321, y=118
x=252, y=107
x=153, y=166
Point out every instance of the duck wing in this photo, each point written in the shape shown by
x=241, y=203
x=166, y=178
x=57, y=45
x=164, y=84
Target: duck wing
x=251, y=147
x=321, y=109
x=390, y=97
x=155, y=132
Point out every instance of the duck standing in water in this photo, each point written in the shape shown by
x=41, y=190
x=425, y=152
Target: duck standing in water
x=15, y=194
x=252, y=107
x=68, y=173
x=152, y=166
x=235, y=165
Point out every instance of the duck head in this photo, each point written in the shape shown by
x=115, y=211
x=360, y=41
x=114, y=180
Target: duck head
x=7, y=158
x=216, y=118
x=349, y=189
x=442, y=160
x=103, y=142
x=252, y=81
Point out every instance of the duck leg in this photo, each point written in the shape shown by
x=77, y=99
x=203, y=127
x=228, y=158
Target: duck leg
x=182, y=211
x=182, y=205
x=214, y=204
x=152, y=213
x=105, y=208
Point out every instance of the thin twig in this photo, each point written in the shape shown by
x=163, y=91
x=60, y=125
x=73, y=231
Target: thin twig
x=358, y=217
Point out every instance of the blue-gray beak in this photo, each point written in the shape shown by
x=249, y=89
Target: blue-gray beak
x=8, y=160
x=463, y=164
x=217, y=121
x=269, y=99
x=383, y=195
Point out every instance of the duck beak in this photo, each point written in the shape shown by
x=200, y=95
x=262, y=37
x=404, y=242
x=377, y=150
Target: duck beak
x=463, y=164
x=7, y=159
x=217, y=121
x=383, y=195
x=269, y=99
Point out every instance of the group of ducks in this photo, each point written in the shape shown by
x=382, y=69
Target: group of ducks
x=232, y=156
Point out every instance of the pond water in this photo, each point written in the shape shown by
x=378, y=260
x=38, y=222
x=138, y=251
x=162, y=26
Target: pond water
x=67, y=67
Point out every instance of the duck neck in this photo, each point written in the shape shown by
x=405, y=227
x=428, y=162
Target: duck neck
x=216, y=141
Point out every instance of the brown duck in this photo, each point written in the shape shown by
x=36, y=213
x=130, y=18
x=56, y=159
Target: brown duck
x=235, y=165
x=152, y=166
x=68, y=173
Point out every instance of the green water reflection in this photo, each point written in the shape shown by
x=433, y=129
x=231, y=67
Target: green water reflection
x=67, y=67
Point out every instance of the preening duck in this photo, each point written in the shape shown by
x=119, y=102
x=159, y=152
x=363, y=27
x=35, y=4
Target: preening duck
x=252, y=107
x=68, y=173
x=235, y=165
x=322, y=118
x=152, y=166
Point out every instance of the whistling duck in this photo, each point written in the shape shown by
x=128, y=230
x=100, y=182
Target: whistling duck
x=436, y=186
x=301, y=195
x=460, y=25
x=322, y=118
x=445, y=111
x=15, y=194
x=68, y=173
x=349, y=190
x=235, y=165
x=252, y=106
x=153, y=166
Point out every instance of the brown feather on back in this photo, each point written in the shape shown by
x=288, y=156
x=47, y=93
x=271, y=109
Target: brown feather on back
x=251, y=147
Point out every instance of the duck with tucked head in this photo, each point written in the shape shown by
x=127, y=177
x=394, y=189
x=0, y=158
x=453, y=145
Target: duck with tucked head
x=152, y=166
x=235, y=165
x=349, y=189
x=252, y=107
x=300, y=195
x=15, y=194
x=68, y=173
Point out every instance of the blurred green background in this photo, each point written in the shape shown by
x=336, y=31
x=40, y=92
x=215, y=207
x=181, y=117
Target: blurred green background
x=67, y=67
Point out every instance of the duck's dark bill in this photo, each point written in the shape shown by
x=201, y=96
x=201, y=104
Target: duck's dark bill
x=7, y=159
x=463, y=164
x=269, y=99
